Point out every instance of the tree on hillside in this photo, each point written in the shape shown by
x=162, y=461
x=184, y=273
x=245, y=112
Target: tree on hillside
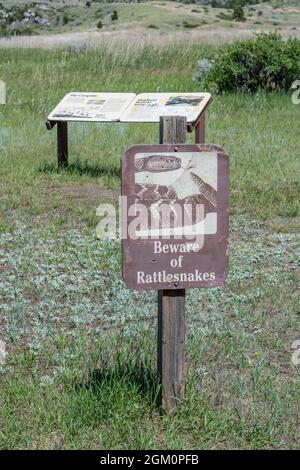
x=238, y=14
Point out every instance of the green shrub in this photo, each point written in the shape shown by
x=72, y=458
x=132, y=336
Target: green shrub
x=22, y=31
x=186, y=24
x=114, y=15
x=99, y=24
x=266, y=62
x=238, y=14
x=16, y=13
x=3, y=30
x=66, y=19
x=224, y=16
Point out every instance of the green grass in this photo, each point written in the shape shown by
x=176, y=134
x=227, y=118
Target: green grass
x=81, y=348
x=80, y=371
x=260, y=133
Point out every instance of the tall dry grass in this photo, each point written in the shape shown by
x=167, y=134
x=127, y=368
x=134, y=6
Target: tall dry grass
x=113, y=39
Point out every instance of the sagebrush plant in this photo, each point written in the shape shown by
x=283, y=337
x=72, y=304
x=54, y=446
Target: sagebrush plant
x=266, y=62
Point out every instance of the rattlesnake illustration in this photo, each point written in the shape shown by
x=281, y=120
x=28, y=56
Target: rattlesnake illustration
x=158, y=163
x=205, y=190
x=156, y=192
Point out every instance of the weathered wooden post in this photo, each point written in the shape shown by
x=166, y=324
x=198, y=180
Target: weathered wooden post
x=174, y=233
x=200, y=130
x=171, y=305
x=62, y=143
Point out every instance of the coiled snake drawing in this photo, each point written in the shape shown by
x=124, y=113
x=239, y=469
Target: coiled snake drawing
x=159, y=163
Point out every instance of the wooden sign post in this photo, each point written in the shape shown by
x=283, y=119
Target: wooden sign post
x=182, y=190
x=174, y=234
x=171, y=305
x=62, y=144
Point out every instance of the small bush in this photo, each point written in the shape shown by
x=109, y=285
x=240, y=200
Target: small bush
x=266, y=62
x=4, y=30
x=238, y=14
x=23, y=31
x=99, y=25
x=66, y=19
x=186, y=24
x=114, y=15
x=224, y=17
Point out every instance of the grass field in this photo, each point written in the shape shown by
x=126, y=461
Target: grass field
x=80, y=368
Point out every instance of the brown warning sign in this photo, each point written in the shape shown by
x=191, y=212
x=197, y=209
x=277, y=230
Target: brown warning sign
x=174, y=216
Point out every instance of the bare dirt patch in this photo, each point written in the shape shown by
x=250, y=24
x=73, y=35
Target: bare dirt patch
x=88, y=191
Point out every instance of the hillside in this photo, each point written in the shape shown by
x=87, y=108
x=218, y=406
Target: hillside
x=93, y=21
